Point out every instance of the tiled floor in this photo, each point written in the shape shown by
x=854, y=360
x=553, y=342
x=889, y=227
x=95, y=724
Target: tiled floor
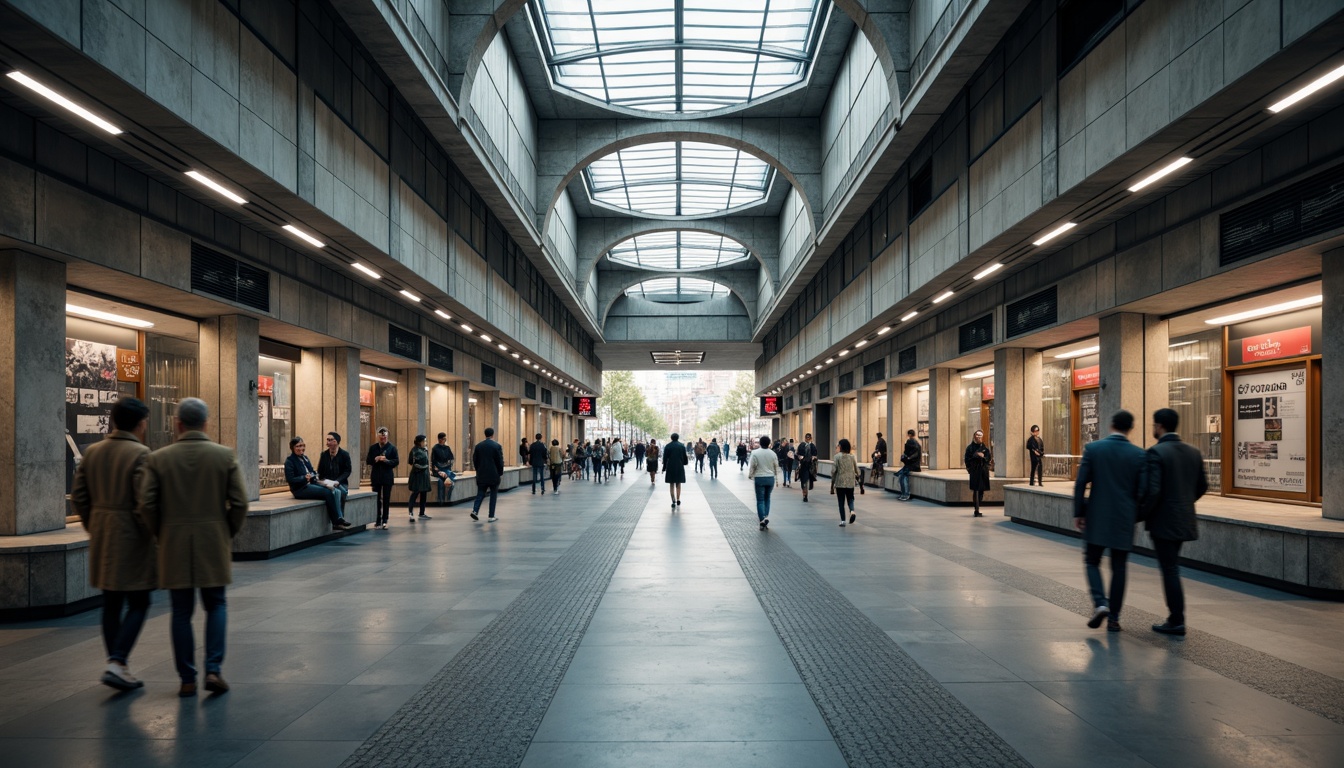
x=680, y=665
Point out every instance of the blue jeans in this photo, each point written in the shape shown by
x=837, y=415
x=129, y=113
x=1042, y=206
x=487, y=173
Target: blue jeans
x=324, y=494
x=119, y=633
x=444, y=490
x=184, y=641
x=480, y=495
x=538, y=476
x=903, y=480
x=764, y=486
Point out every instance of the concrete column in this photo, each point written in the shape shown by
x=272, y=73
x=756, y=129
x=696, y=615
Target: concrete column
x=899, y=418
x=229, y=350
x=327, y=383
x=1009, y=433
x=1332, y=382
x=487, y=411
x=944, y=419
x=32, y=391
x=1133, y=370
x=455, y=412
x=509, y=428
x=410, y=414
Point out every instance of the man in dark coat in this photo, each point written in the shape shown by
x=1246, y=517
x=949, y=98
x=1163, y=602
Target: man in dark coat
x=1114, y=467
x=1176, y=480
x=335, y=465
x=806, y=456
x=640, y=450
x=488, y=459
x=1036, y=450
x=911, y=456
x=674, y=467
x=382, y=460
x=879, y=458
x=536, y=458
x=713, y=452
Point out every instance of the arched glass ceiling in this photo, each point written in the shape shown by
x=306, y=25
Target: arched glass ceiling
x=677, y=289
x=668, y=251
x=678, y=178
x=678, y=55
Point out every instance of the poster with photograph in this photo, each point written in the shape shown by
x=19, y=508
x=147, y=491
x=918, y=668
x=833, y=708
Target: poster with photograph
x=1271, y=431
x=90, y=392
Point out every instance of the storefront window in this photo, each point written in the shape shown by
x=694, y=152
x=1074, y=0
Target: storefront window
x=1195, y=373
x=170, y=376
x=91, y=386
x=970, y=395
x=922, y=421
x=1056, y=399
x=275, y=414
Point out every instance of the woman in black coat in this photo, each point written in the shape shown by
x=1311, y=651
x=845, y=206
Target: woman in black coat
x=978, y=457
x=674, y=467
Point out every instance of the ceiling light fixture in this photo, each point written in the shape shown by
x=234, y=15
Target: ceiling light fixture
x=377, y=378
x=1056, y=232
x=299, y=233
x=844, y=352
x=515, y=355
x=1295, y=96
x=909, y=315
x=1182, y=344
x=367, y=271
x=466, y=328
x=502, y=347
x=1169, y=168
x=39, y=88
x=443, y=314
x=987, y=271
x=830, y=360
x=923, y=388
x=978, y=374
x=1078, y=353
x=486, y=337
x=1274, y=309
x=944, y=296
x=409, y=295
x=858, y=344
x=98, y=314
x=206, y=181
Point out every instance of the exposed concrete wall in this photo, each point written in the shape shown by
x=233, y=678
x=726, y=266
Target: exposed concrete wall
x=857, y=104
x=500, y=101
x=228, y=383
x=635, y=319
x=562, y=234
x=1332, y=382
x=797, y=235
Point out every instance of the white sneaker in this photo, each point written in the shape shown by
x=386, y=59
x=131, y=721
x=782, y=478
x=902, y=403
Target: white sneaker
x=119, y=676
x=842, y=523
x=493, y=519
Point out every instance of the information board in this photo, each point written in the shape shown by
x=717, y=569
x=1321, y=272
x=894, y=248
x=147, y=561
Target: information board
x=1270, y=430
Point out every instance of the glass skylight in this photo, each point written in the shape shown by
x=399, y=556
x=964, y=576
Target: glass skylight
x=677, y=289
x=678, y=55
x=678, y=250
x=678, y=178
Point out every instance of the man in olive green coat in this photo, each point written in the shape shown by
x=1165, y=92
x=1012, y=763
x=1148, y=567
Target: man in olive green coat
x=121, y=549
x=194, y=500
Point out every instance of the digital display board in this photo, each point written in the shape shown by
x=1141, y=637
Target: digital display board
x=583, y=406
x=770, y=405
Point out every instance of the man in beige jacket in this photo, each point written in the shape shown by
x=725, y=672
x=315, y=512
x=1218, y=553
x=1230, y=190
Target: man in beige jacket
x=194, y=500
x=121, y=549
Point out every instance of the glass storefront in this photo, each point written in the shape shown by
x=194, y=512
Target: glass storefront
x=1195, y=392
x=1056, y=400
x=171, y=375
x=275, y=415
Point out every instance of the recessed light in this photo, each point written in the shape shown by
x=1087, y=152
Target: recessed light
x=860, y=343
x=39, y=88
x=909, y=315
x=944, y=296
x=367, y=271
x=1056, y=232
x=98, y=314
x=409, y=295
x=503, y=347
x=219, y=189
x=987, y=271
x=466, y=328
x=377, y=378
x=1299, y=94
x=884, y=330
x=1169, y=168
x=299, y=233
x=844, y=352
x=923, y=388
x=486, y=337
x=830, y=360
x=978, y=374
x=1275, y=309
x=1078, y=353
x=515, y=355
x=443, y=314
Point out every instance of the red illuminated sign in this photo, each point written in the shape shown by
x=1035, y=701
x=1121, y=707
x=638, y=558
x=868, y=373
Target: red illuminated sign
x=265, y=386
x=987, y=389
x=1271, y=346
x=366, y=397
x=770, y=406
x=1086, y=378
x=584, y=406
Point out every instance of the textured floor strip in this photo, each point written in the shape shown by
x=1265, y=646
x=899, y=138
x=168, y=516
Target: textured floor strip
x=1306, y=688
x=882, y=708
x=484, y=706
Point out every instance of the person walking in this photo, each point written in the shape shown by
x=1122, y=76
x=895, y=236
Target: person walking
x=784, y=455
x=979, y=456
x=304, y=483
x=488, y=459
x=192, y=498
x=599, y=459
x=910, y=460
x=441, y=458
x=640, y=450
x=524, y=454
x=844, y=476
x=1175, y=481
x=418, y=482
x=700, y=450
x=674, y=467
x=1036, y=451
x=382, y=460
x=121, y=549
x=879, y=459
x=537, y=457
x=761, y=470
x=334, y=467
x=805, y=455
x=556, y=459
x=651, y=461
x=1115, y=470
x=618, y=456
x=713, y=452
x=741, y=455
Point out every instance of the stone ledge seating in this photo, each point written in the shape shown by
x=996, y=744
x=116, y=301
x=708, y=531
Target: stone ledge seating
x=278, y=523
x=948, y=487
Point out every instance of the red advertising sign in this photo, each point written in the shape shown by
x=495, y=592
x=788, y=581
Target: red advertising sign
x=584, y=406
x=1086, y=378
x=987, y=389
x=1293, y=342
x=366, y=398
x=770, y=406
x=265, y=386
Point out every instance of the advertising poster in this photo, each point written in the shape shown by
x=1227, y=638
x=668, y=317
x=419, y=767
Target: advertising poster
x=1089, y=420
x=90, y=392
x=1271, y=431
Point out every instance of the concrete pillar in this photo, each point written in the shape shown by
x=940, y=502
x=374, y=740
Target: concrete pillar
x=410, y=414
x=487, y=412
x=32, y=391
x=327, y=399
x=1332, y=382
x=899, y=418
x=229, y=351
x=1009, y=433
x=1133, y=370
x=944, y=419
x=510, y=425
x=455, y=419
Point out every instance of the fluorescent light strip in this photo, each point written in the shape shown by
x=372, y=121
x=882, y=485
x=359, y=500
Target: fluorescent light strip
x=909, y=315
x=860, y=343
x=987, y=271
x=98, y=314
x=844, y=352
x=443, y=314
x=1056, y=232
x=978, y=374
x=409, y=295
x=1182, y=344
x=1171, y=167
x=1275, y=309
x=503, y=347
x=466, y=328
x=486, y=337
x=923, y=388
x=830, y=360
x=367, y=271
x=33, y=85
x=942, y=297
x=1299, y=94
x=1078, y=353
x=299, y=233
x=206, y=181
x=376, y=378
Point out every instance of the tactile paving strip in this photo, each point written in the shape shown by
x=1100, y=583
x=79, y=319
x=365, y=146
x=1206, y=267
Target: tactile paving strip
x=484, y=706
x=882, y=708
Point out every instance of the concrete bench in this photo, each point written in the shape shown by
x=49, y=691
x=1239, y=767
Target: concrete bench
x=1279, y=545
x=949, y=487
x=464, y=489
x=278, y=523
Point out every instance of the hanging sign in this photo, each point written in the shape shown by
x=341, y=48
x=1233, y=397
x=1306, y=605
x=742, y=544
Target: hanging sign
x=265, y=386
x=584, y=406
x=987, y=389
x=1086, y=378
x=130, y=368
x=770, y=405
x=1270, y=431
x=1293, y=342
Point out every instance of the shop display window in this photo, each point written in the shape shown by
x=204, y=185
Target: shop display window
x=1056, y=404
x=91, y=384
x=171, y=375
x=1195, y=392
x=275, y=416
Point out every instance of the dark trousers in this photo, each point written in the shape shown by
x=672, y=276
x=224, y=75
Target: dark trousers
x=1169, y=560
x=383, y=497
x=184, y=641
x=555, y=477
x=1092, y=561
x=120, y=632
x=844, y=496
x=639, y=463
x=805, y=477
x=538, y=476
x=979, y=498
x=713, y=468
x=324, y=494
x=410, y=505
x=480, y=494
x=1036, y=471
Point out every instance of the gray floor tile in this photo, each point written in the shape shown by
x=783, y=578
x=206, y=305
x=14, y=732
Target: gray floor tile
x=298, y=754
x=755, y=754
x=350, y=713
x=117, y=752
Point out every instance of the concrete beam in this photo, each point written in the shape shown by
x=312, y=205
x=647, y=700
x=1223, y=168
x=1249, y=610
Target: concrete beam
x=597, y=236
x=612, y=283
